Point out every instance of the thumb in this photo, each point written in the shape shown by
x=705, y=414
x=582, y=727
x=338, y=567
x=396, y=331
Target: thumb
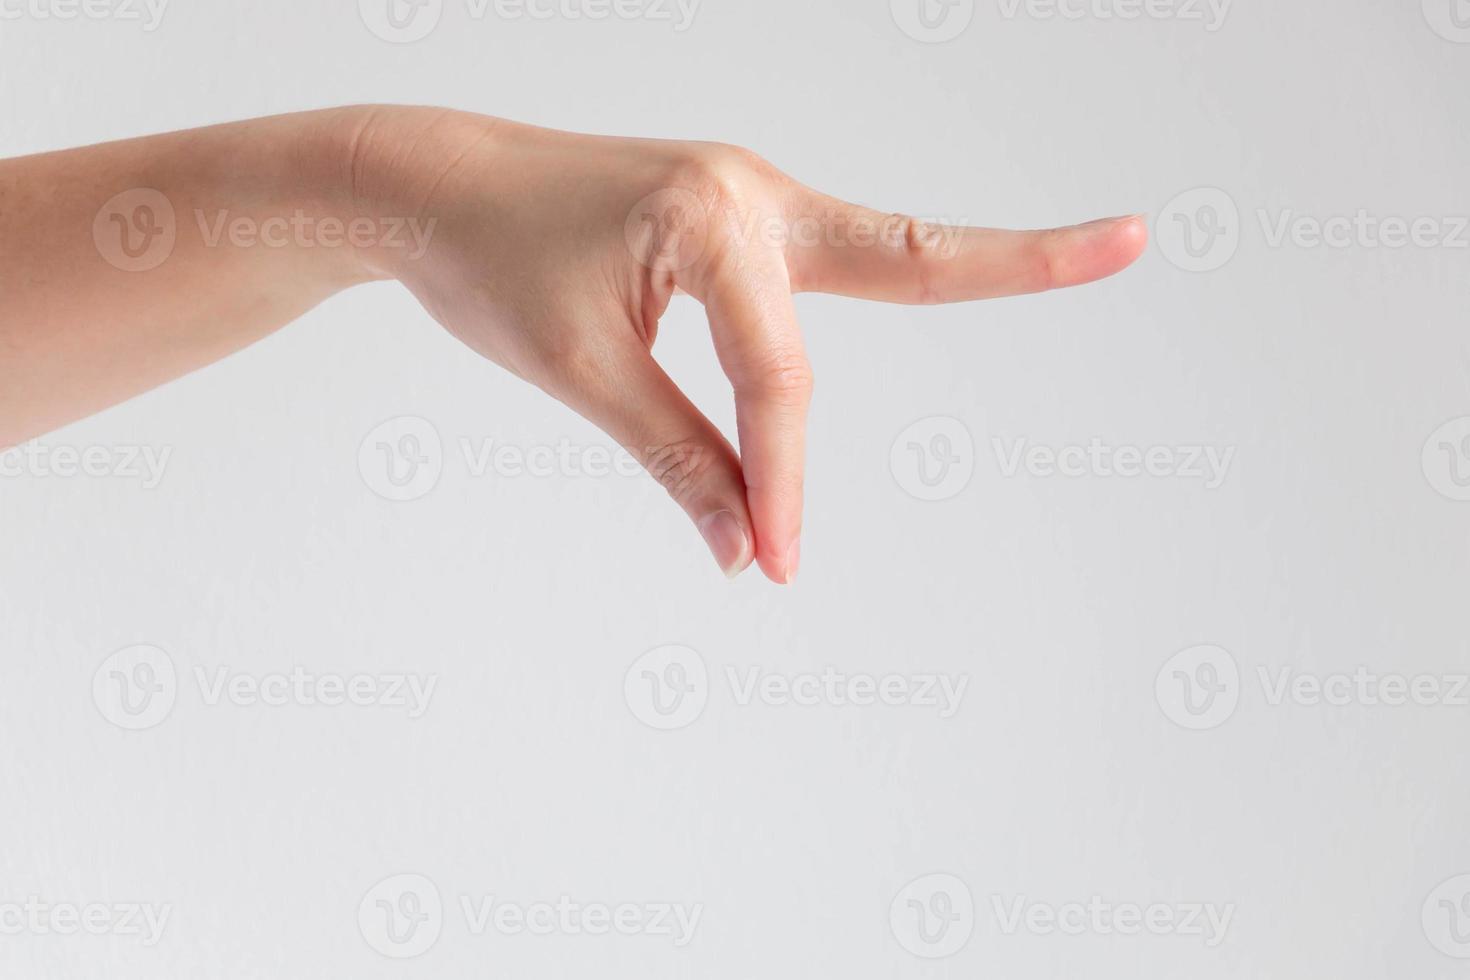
x=639, y=405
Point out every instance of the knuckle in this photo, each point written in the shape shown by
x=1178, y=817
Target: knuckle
x=787, y=379
x=722, y=172
x=679, y=467
x=919, y=238
x=919, y=242
x=1046, y=262
x=736, y=190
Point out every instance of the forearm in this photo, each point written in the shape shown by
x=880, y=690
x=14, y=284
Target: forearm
x=103, y=297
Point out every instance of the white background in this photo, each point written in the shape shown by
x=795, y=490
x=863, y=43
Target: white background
x=1061, y=777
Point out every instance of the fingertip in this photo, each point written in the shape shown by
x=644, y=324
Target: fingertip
x=728, y=541
x=1132, y=236
x=1101, y=249
x=780, y=565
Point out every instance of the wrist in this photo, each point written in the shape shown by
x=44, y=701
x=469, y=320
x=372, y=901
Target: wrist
x=389, y=162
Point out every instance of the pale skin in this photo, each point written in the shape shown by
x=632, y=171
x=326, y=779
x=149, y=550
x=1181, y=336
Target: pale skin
x=553, y=254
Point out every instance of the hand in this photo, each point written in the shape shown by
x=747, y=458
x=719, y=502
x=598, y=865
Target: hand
x=553, y=254
x=556, y=254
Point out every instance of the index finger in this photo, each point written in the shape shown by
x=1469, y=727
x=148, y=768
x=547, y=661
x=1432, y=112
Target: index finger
x=894, y=258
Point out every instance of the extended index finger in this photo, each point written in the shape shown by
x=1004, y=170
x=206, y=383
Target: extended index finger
x=895, y=258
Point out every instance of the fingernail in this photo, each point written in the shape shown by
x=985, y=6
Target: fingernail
x=1112, y=221
x=727, y=541
x=793, y=561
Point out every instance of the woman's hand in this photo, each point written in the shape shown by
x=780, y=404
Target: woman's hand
x=125, y=265
x=555, y=255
